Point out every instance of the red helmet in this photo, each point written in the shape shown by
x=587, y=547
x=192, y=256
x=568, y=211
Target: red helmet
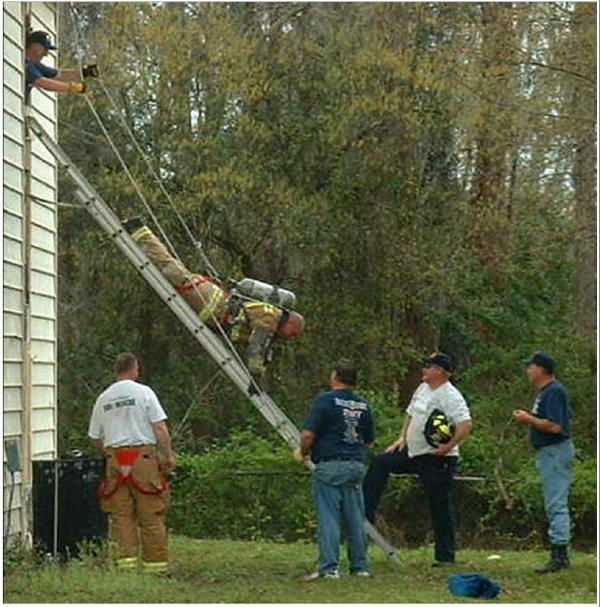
x=292, y=327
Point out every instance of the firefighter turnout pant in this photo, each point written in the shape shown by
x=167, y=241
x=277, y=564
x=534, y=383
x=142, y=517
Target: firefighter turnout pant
x=206, y=298
x=135, y=496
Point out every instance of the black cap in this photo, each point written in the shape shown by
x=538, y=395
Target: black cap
x=541, y=359
x=439, y=359
x=42, y=38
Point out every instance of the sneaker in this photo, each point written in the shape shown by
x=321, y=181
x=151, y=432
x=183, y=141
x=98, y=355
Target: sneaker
x=442, y=564
x=318, y=575
x=361, y=573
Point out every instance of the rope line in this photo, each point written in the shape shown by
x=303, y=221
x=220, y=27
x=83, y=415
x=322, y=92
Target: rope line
x=189, y=409
x=216, y=323
x=198, y=245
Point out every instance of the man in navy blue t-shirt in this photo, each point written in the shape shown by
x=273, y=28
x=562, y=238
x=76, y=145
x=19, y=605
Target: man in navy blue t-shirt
x=550, y=433
x=37, y=46
x=336, y=435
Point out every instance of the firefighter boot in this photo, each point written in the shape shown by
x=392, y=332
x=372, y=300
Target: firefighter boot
x=559, y=559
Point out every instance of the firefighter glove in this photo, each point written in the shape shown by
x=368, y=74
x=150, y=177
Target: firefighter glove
x=77, y=87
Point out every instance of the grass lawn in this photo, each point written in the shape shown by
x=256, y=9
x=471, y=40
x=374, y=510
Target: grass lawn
x=256, y=572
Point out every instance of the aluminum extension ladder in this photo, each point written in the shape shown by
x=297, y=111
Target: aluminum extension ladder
x=236, y=372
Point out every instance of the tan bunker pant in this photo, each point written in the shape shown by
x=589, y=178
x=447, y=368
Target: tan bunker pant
x=204, y=297
x=136, y=499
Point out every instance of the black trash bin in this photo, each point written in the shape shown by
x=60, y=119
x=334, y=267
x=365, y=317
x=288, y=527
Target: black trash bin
x=67, y=514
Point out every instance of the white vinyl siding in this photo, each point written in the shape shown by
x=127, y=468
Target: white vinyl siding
x=12, y=258
x=42, y=255
x=39, y=418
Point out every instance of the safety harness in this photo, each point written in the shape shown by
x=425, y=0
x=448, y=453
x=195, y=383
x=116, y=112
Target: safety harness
x=197, y=280
x=126, y=457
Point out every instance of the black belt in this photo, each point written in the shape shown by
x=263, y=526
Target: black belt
x=339, y=458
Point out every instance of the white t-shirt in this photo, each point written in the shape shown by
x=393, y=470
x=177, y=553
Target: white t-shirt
x=446, y=398
x=124, y=413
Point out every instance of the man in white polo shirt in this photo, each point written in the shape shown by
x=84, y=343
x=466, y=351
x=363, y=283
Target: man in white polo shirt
x=127, y=423
x=422, y=449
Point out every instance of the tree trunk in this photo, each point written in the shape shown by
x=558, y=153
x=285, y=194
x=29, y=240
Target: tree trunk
x=584, y=104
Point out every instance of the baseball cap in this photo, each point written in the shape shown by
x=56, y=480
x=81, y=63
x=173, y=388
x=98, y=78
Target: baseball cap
x=439, y=359
x=42, y=38
x=541, y=359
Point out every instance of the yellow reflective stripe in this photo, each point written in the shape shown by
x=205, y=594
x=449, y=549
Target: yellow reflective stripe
x=129, y=562
x=270, y=309
x=158, y=567
x=236, y=332
x=141, y=232
x=211, y=306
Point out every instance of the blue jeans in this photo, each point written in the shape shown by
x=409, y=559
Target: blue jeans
x=555, y=463
x=337, y=492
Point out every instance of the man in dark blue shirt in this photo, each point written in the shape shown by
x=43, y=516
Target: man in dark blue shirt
x=550, y=433
x=336, y=435
x=37, y=46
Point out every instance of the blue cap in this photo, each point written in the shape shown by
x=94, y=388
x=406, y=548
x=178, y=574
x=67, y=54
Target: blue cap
x=473, y=585
x=439, y=359
x=42, y=38
x=541, y=359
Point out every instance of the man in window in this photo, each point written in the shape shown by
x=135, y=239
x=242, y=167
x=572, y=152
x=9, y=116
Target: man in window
x=37, y=46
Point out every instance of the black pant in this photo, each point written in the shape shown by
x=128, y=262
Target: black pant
x=435, y=474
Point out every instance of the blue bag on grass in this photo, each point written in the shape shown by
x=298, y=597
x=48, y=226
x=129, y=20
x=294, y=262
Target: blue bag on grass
x=474, y=585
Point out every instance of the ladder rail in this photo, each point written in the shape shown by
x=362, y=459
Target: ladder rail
x=236, y=372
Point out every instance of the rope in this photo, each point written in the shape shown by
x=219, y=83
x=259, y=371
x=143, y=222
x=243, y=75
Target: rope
x=197, y=244
x=158, y=180
x=134, y=183
x=55, y=203
x=189, y=409
x=141, y=196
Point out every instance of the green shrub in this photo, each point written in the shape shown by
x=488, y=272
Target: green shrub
x=211, y=498
x=249, y=487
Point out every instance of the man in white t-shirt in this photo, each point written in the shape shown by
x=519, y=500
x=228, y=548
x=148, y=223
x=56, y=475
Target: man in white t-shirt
x=127, y=424
x=416, y=452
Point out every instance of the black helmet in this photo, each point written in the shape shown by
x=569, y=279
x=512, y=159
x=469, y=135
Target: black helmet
x=438, y=428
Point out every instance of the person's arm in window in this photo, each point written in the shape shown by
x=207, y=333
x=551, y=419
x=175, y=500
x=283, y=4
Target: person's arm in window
x=69, y=75
x=51, y=79
x=53, y=84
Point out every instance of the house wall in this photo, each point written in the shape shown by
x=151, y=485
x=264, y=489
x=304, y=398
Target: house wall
x=29, y=259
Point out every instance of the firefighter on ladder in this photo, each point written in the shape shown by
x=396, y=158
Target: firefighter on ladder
x=127, y=423
x=254, y=324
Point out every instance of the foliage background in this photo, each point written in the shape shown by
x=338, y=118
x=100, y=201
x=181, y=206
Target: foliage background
x=421, y=174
